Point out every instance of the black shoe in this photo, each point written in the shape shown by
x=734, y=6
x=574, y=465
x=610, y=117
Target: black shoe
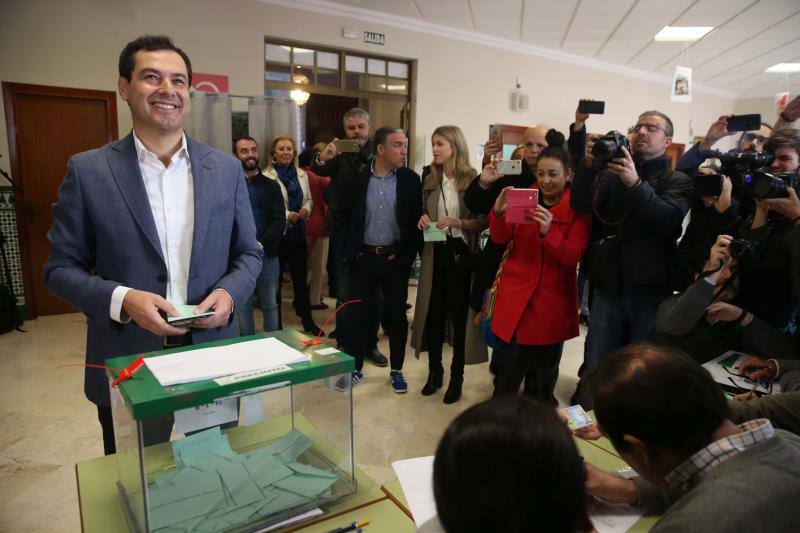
x=453, y=393
x=319, y=307
x=332, y=334
x=433, y=384
x=310, y=327
x=377, y=358
x=583, y=319
x=408, y=306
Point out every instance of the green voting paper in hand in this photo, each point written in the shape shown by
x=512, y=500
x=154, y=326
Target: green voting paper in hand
x=434, y=234
x=187, y=315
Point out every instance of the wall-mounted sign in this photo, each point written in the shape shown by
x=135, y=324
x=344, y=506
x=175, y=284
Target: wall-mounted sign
x=370, y=37
x=210, y=83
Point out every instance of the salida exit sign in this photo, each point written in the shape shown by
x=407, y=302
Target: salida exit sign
x=371, y=37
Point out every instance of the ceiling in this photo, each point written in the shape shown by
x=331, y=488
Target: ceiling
x=750, y=35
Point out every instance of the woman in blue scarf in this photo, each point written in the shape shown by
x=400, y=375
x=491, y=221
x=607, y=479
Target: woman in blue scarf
x=293, y=182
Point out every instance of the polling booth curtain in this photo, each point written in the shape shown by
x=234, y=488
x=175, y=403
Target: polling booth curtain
x=269, y=117
x=211, y=119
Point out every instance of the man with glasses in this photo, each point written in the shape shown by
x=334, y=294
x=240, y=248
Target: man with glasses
x=749, y=141
x=638, y=203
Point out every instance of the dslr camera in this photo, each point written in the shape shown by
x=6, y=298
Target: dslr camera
x=608, y=147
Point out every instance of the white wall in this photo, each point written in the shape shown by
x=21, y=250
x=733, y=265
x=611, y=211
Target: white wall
x=76, y=44
x=764, y=106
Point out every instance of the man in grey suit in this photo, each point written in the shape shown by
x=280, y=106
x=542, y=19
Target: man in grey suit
x=150, y=221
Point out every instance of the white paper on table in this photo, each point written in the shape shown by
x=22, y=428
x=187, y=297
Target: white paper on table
x=416, y=478
x=722, y=376
x=210, y=363
x=613, y=518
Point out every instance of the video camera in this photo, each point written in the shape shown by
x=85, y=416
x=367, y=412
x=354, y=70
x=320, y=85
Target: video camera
x=744, y=170
x=608, y=147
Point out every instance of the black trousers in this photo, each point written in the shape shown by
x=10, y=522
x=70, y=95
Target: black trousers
x=368, y=273
x=449, y=295
x=537, y=364
x=294, y=255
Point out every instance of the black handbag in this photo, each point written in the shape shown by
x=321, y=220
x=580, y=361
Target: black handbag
x=464, y=258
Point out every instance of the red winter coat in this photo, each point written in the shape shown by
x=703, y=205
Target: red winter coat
x=538, y=293
x=315, y=225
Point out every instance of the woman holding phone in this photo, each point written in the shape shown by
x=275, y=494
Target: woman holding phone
x=444, y=284
x=535, y=309
x=293, y=181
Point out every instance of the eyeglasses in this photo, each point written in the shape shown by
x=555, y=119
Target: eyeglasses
x=750, y=137
x=650, y=128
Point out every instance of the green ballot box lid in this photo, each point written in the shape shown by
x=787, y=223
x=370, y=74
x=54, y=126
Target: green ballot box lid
x=145, y=397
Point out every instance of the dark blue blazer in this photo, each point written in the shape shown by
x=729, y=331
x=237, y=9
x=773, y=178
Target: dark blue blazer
x=104, y=236
x=408, y=211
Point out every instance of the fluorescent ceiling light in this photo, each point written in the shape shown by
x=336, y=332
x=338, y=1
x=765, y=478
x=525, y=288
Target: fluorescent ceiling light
x=783, y=67
x=682, y=33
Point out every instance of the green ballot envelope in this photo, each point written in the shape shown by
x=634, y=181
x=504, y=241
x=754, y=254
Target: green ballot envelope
x=434, y=234
x=187, y=315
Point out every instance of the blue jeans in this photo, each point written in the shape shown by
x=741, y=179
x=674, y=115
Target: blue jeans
x=267, y=289
x=615, y=321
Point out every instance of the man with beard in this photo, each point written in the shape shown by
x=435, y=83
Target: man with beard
x=268, y=212
x=638, y=204
x=344, y=170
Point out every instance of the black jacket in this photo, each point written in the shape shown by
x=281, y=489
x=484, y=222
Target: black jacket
x=409, y=209
x=344, y=171
x=634, y=229
x=273, y=213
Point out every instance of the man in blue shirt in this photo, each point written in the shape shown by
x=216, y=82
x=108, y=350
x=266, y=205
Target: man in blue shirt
x=268, y=212
x=382, y=243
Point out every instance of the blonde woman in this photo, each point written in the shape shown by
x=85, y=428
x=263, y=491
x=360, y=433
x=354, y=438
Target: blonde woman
x=293, y=181
x=443, y=291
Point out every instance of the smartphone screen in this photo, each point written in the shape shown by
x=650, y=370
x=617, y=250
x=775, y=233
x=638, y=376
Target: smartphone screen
x=744, y=122
x=594, y=107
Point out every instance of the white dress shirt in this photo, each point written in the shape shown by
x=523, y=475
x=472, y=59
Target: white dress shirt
x=452, y=203
x=170, y=191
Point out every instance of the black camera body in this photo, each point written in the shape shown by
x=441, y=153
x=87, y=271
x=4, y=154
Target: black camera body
x=608, y=147
x=742, y=168
x=742, y=247
x=765, y=185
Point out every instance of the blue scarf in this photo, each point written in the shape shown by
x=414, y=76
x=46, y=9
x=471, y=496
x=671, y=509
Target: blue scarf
x=294, y=196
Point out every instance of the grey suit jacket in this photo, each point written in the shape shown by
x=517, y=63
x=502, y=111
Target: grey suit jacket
x=104, y=236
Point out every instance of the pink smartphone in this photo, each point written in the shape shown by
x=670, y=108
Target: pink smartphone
x=519, y=201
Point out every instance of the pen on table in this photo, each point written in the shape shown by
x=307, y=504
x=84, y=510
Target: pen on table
x=351, y=527
x=750, y=394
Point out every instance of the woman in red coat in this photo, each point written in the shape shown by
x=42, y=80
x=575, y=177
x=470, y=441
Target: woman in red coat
x=536, y=307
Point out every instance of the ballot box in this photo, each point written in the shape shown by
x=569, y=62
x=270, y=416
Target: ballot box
x=235, y=452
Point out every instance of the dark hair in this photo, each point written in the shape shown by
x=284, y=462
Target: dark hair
x=659, y=395
x=670, y=129
x=243, y=138
x=149, y=43
x=788, y=138
x=557, y=152
x=306, y=157
x=382, y=135
x=554, y=137
x=508, y=464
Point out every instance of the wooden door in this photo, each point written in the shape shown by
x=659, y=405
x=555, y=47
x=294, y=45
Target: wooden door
x=324, y=117
x=47, y=125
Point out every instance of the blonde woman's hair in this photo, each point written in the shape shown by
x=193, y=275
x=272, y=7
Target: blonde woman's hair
x=462, y=170
x=272, y=146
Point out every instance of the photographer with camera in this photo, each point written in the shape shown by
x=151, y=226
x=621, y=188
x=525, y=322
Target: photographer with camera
x=638, y=204
x=706, y=320
x=749, y=141
x=774, y=265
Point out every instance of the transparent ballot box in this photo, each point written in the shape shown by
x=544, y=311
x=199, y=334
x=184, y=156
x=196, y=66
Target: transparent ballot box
x=239, y=452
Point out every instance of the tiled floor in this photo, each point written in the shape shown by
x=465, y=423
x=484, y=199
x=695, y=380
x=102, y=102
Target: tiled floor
x=48, y=425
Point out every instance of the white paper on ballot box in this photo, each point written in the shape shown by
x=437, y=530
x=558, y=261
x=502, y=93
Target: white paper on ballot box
x=210, y=363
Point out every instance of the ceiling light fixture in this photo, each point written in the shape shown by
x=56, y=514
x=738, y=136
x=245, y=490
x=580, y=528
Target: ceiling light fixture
x=682, y=33
x=783, y=68
x=299, y=96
